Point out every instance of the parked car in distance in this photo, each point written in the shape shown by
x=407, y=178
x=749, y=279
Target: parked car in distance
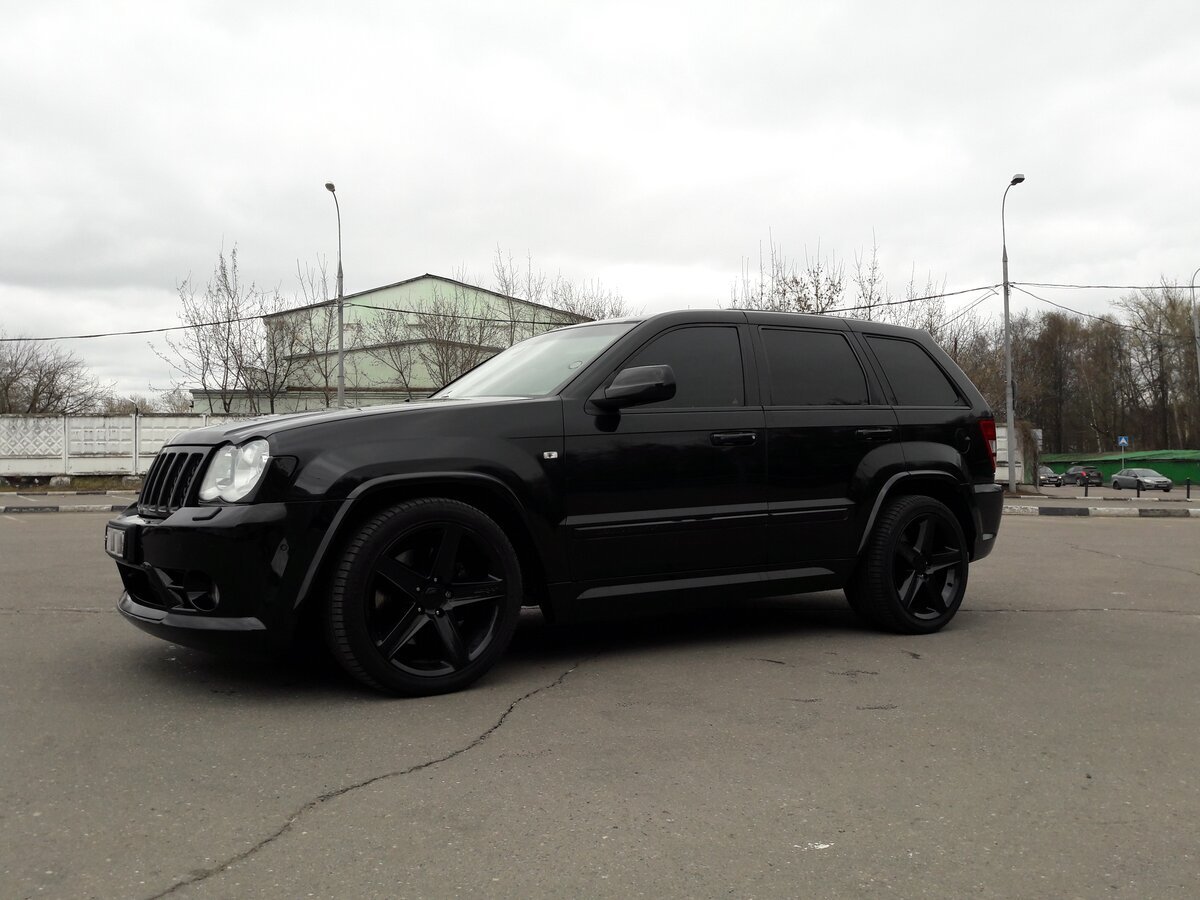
x=1142, y=479
x=1083, y=475
x=686, y=457
x=1047, y=475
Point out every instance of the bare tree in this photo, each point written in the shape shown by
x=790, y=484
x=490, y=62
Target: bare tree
x=316, y=326
x=783, y=285
x=175, y=400
x=228, y=348
x=873, y=292
x=451, y=339
x=589, y=299
x=389, y=339
x=40, y=377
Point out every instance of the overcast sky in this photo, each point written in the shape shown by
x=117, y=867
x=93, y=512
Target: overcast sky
x=652, y=146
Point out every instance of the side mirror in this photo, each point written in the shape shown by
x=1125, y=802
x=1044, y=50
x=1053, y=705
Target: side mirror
x=640, y=384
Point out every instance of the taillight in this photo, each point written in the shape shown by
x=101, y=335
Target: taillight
x=988, y=428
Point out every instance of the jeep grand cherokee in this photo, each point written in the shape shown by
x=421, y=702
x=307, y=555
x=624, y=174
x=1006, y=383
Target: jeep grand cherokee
x=689, y=455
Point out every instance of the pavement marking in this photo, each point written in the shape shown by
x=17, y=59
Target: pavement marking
x=14, y=519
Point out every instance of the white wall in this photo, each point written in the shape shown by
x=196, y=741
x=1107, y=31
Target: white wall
x=89, y=445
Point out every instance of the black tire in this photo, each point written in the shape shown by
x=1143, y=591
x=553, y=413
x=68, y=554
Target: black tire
x=425, y=599
x=912, y=575
x=1116, y=485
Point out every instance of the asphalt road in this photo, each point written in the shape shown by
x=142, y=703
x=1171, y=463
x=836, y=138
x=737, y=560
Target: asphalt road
x=1044, y=745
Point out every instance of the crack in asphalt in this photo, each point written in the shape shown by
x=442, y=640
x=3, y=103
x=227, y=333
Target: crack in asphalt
x=1110, y=555
x=1086, y=609
x=57, y=609
x=202, y=875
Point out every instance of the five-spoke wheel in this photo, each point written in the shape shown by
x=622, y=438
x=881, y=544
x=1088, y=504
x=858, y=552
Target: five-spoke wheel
x=913, y=572
x=425, y=599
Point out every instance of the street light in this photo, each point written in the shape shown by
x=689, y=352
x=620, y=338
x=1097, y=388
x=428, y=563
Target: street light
x=1009, y=428
x=341, y=398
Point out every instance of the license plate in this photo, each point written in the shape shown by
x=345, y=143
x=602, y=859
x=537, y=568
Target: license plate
x=114, y=541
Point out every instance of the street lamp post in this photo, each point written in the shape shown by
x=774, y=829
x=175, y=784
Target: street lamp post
x=1195, y=325
x=1009, y=428
x=341, y=397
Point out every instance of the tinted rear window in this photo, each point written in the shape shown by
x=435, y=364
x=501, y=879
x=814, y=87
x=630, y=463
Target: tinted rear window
x=812, y=368
x=913, y=375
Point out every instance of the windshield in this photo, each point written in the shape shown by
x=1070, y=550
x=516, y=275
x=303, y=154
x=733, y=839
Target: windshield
x=537, y=366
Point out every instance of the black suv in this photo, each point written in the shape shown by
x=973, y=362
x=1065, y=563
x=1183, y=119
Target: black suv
x=687, y=456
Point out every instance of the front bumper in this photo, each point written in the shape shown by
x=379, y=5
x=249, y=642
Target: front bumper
x=218, y=577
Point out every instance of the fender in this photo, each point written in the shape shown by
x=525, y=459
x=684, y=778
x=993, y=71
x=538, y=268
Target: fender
x=891, y=483
x=474, y=479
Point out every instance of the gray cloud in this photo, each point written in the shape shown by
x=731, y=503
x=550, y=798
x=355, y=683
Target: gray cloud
x=651, y=145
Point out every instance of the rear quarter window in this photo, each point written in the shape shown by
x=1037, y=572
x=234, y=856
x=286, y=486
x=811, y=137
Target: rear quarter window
x=916, y=379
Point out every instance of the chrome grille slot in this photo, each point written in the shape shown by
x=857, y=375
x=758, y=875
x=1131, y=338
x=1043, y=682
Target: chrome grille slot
x=169, y=482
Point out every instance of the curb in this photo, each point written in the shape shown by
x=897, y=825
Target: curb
x=1113, y=512
x=21, y=493
x=87, y=507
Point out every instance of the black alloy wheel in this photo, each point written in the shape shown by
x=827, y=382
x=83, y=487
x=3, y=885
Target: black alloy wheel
x=425, y=599
x=913, y=573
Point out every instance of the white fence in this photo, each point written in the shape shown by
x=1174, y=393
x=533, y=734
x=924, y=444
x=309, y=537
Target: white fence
x=90, y=445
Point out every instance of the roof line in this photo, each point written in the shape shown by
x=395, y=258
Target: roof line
x=443, y=278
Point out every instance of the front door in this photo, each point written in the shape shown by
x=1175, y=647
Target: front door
x=674, y=486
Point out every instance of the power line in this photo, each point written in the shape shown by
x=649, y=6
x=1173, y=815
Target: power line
x=842, y=309
x=1019, y=285
x=413, y=312
x=81, y=337
x=991, y=293
x=1103, y=319
x=1100, y=287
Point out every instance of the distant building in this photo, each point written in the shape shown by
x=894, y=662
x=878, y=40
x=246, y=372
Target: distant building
x=401, y=341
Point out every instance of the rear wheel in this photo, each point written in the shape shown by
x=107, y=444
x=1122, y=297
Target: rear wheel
x=912, y=575
x=425, y=599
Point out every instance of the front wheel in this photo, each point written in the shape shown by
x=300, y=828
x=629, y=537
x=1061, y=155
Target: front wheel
x=1116, y=485
x=425, y=599
x=912, y=575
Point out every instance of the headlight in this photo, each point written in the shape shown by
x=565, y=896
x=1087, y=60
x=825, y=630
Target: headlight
x=234, y=471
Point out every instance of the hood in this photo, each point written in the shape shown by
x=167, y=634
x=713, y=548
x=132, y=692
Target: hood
x=266, y=426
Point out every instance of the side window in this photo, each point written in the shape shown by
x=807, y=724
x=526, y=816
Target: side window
x=914, y=376
x=812, y=368
x=707, y=362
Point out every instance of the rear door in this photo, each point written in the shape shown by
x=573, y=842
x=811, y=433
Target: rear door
x=830, y=436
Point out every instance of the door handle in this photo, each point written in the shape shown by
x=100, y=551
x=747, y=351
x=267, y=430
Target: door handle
x=732, y=438
x=876, y=434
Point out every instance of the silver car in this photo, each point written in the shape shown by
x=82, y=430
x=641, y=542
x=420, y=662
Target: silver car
x=1143, y=479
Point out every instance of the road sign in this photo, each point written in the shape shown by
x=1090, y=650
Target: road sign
x=1123, y=440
